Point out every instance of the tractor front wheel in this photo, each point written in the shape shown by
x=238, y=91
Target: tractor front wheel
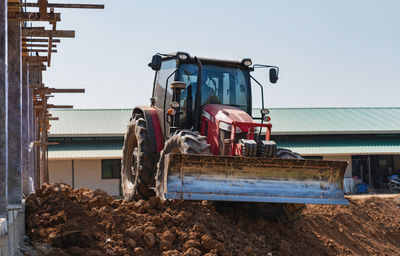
x=183, y=142
x=138, y=161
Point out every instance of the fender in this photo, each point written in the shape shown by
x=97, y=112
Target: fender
x=153, y=126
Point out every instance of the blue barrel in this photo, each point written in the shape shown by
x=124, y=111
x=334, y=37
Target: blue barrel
x=362, y=188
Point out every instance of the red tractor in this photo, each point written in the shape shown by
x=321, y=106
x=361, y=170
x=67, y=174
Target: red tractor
x=198, y=140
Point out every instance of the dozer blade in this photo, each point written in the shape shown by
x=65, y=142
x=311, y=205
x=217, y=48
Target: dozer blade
x=253, y=179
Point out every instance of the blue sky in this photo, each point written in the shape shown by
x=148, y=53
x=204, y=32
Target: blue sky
x=330, y=54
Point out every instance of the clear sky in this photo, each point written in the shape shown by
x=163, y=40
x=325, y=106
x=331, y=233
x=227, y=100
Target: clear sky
x=330, y=53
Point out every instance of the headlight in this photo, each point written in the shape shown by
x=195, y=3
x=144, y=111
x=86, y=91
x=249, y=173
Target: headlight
x=247, y=62
x=174, y=104
x=182, y=55
x=264, y=111
x=267, y=118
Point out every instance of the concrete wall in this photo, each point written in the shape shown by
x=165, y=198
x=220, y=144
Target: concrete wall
x=87, y=173
x=12, y=229
x=348, y=173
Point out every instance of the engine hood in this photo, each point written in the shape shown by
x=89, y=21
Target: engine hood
x=227, y=114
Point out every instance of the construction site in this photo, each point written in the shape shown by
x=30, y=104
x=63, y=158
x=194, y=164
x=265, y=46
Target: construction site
x=201, y=170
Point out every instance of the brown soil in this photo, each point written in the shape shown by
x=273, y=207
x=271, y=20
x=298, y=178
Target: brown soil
x=84, y=222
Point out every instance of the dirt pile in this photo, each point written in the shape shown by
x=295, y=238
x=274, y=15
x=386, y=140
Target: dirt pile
x=84, y=222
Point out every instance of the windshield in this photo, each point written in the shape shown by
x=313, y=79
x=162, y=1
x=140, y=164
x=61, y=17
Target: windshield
x=220, y=85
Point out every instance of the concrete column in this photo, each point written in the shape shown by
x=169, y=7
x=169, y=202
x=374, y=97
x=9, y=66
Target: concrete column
x=25, y=130
x=34, y=81
x=3, y=108
x=14, y=113
x=31, y=137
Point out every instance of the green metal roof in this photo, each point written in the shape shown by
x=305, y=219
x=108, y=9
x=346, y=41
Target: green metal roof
x=112, y=122
x=333, y=120
x=343, y=147
x=86, y=150
x=90, y=122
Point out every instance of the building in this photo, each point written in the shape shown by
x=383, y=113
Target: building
x=90, y=143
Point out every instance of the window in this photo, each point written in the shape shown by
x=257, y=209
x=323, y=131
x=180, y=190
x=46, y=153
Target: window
x=220, y=85
x=167, y=67
x=111, y=168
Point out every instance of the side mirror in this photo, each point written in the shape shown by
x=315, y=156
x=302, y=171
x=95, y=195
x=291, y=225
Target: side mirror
x=155, y=63
x=273, y=75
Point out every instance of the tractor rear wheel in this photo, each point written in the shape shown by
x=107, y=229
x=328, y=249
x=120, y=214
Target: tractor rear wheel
x=183, y=142
x=138, y=161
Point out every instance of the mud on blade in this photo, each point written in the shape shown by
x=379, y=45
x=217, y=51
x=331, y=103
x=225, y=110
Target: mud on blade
x=252, y=179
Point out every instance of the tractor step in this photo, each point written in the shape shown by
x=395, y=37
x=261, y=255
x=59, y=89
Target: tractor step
x=253, y=179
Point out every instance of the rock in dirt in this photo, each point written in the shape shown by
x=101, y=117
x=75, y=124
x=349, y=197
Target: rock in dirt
x=139, y=251
x=166, y=240
x=149, y=239
x=131, y=243
x=134, y=233
x=210, y=244
x=172, y=253
x=192, y=252
x=248, y=250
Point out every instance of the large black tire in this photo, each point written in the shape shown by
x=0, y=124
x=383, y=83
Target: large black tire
x=138, y=161
x=287, y=154
x=183, y=142
x=284, y=213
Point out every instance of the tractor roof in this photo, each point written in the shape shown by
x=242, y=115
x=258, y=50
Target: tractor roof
x=204, y=60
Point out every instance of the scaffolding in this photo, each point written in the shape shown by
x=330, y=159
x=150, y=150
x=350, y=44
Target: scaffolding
x=37, y=47
x=26, y=51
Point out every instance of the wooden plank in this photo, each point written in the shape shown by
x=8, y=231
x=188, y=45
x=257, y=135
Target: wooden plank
x=49, y=33
x=36, y=64
x=41, y=28
x=50, y=49
x=34, y=58
x=37, y=68
x=38, y=50
x=57, y=5
x=33, y=16
x=38, y=45
x=13, y=6
x=39, y=40
x=42, y=8
x=59, y=106
x=47, y=90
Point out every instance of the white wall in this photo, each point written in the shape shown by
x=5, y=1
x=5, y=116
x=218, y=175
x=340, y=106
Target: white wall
x=60, y=171
x=87, y=174
x=347, y=158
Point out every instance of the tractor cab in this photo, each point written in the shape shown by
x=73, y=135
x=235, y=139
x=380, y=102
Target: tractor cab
x=202, y=81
